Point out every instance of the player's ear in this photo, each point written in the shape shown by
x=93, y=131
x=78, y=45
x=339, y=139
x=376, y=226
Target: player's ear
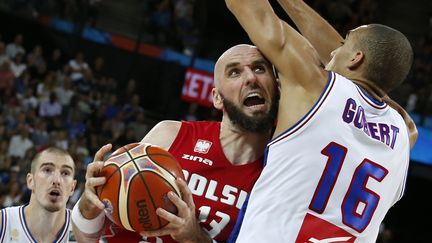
x=356, y=60
x=29, y=180
x=74, y=183
x=217, y=99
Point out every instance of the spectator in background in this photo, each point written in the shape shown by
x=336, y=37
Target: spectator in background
x=18, y=66
x=50, y=107
x=35, y=57
x=132, y=108
x=40, y=135
x=15, y=47
x=65, y=93
x=129, y=91
x=29, y=101
x=112, y=108
x=3, y=192
x=5, y=161
x=75, y=125
x=3, y=56
x=139, y=127
x=60, y=139
x=161, y=21
x=85, y=83
x=20, y=143
x=6, y=80
x=55, y=62
x=185, y=25
x=78, y=66
x=45, y=88
x=98, y=67
x=126, y=137
x=13, y=198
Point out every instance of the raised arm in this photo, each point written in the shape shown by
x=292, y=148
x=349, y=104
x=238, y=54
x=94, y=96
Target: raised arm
x=323, y=37
x=290, y=52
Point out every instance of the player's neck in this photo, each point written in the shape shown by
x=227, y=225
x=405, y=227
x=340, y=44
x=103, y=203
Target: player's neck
x=242, y=147
x=43, y=225
x=371, y=88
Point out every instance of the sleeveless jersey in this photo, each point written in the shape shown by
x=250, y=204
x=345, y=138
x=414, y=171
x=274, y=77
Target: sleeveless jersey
x=218, y=187
x=333, y=176
x=14, y=227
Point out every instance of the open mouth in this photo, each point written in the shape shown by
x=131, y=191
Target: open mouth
x=254, y=99
x=54, y=194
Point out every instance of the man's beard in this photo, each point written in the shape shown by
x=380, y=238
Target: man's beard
x=260, y=123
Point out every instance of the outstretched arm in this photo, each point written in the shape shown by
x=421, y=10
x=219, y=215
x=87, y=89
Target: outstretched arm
x=301, y=73
x=290, y=52
x=323, y=37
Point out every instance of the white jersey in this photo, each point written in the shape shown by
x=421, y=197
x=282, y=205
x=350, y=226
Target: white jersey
x=14, y=227
x=333, y=176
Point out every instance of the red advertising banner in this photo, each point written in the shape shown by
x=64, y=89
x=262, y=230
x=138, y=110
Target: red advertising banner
x=197, y=87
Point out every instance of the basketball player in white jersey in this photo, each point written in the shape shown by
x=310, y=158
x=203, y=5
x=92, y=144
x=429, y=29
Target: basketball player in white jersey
x=339, y=156
x=45, y=218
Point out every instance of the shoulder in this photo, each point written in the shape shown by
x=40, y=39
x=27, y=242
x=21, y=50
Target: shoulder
x=168, y=126
x=163, y=134
x=6, y=215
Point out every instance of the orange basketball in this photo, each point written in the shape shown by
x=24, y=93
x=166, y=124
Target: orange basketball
x=138, y=178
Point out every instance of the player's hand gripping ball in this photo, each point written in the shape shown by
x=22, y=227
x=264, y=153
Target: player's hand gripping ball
x=138, y=178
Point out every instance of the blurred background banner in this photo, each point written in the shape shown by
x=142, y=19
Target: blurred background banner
x=197, y=87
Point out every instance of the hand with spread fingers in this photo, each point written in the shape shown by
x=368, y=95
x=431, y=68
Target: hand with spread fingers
x=183, y=227
x=90, y=205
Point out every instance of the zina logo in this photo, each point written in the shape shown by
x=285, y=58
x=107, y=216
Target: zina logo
x=197, y=158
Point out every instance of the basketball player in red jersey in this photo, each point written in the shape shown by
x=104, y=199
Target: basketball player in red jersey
x=221, y=160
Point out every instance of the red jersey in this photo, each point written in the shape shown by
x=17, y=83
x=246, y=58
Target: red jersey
x=218, y=187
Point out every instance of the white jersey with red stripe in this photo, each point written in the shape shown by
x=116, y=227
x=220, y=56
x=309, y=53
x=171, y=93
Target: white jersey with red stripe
x=14, y=227
x=333, y=176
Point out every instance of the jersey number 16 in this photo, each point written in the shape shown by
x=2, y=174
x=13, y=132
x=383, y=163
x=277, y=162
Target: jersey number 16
x=357, y=197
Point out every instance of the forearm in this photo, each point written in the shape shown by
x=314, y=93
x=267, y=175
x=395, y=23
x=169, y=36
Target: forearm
x=201, y=237
x=87, y=230
x=323, y=37
x=261, y=24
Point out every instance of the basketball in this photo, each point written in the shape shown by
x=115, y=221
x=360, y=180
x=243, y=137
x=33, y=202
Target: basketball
x=138, y=178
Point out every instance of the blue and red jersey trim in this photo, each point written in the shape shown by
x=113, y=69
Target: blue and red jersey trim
x=60, y=236
x=371, y=100
x=3, y=223
x=329, y=86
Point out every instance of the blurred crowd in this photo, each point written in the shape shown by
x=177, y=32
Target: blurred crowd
x=170, y=23
x=48, y=98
